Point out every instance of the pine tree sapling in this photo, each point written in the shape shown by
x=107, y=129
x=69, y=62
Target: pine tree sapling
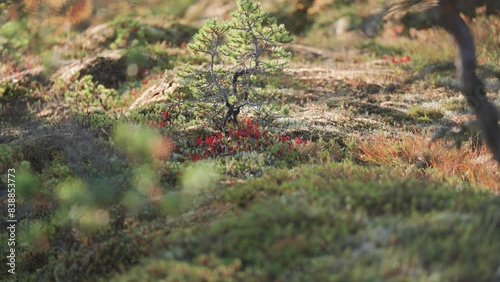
x=240, y=51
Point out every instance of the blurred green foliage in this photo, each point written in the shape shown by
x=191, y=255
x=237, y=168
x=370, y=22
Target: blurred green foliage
x=85, y=93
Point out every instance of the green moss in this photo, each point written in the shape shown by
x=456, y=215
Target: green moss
x=10, y=156
x=456, y=105
x=380, y=49
x=425, y=114
x=85, y=93
x=315, y=224
x=203, y=268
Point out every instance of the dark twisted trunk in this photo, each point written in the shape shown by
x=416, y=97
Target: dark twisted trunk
x=472, y=87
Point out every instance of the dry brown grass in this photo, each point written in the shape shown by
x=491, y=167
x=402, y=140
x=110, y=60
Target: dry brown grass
x=470, y=163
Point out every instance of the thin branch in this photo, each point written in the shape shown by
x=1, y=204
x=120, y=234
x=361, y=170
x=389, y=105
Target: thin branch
x=214, y=75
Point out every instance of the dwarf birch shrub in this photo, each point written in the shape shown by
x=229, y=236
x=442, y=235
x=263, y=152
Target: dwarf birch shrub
x=241, y=52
